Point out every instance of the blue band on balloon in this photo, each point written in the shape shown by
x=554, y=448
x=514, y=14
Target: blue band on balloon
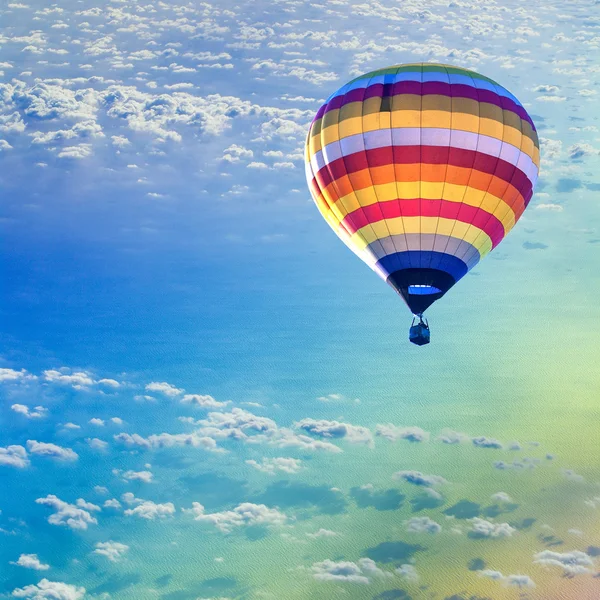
x=412, y=259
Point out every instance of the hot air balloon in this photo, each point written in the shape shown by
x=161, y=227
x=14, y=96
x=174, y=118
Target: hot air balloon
x=421, y=170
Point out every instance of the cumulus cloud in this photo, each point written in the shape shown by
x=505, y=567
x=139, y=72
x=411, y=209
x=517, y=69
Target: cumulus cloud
x=481, y=528
x=245, y=514
x=394, y=433
x=519, y=581
x=361, y=571
x=51, y=450
x=485, y=442
x=31, y=561
x=114, y=551
x=150, y=511
x=14, y=456
x=203, y=401
x=572, y=563
x=74, y=516
x=163, y=387
x=36, y=413
x=168, y=440
x=354, y=434
x=273, y=465
x=50, y=590
x=422, y=525
x=143, y=476
x=418, y=478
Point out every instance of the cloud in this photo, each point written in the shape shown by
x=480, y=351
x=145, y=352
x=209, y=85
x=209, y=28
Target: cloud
x=37, y=413
x=572, y=563
x=14, y=456
x=581, y=150
x=51, y=450
x=79, y=380
x=486, y=529
x=143, y=476
x=245, y=514
x=394, y=433
x=50, y=590
x=31, y=561
x=168, y=440
x=520, y=581
x=97, y=444
x=422, y=525
x=150, y=511
x=203, y=401
x=322, y=533
x=354, y=434
x=408, y=572
x=114, y=551
x=272, y=465
x=485, y=442
x=349, y=572
x=74, y=516
x=164, y=388
x=449, y=436
x=418, y=478
x=11, y=375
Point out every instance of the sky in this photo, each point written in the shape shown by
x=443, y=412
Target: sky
x=205, y=395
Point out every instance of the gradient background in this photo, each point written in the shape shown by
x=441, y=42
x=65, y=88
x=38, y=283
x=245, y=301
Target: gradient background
x=177, y=258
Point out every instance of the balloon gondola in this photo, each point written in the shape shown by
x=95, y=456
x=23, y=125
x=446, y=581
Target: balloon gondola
x=421, y=170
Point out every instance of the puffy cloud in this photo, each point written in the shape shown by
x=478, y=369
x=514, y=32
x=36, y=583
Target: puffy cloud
x=36, y=413
x=322, y=533
x=418, y=478
x=520, y=581
x=550, y=148
x=449, y=436
x=11, y=375
x=114, y=551
x=485, y=442
x=74, y=516
x=51, y=450
x=202, y=401
x=245, y=514
x=345, y=571
x=335, y=429
x=272, y=465
x=14, y=456
x=481, y=528
x=581, y=150
x=50, y=590
x=79, y=379
x=31, y=561
x=573, y=563
x=164, y=388
x=549, y=207
x=394, y=433
x=97, y=444
x=146, y=509
x=422, y=525
x=168, y=440
x=97, y=422
x=236, y=153
x=502, y=497
x=408, y=572
x=143, y=476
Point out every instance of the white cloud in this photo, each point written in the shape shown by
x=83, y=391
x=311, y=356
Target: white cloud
x=519, y=581
x=272, y=465
x=202, y=401
x=164, y=388
x=36, y=413
x=573, y=563
x=354, y=434
x=245, y=514
x=79, y=379
x=51, y=450
x=74, y=516
x=114, y=551
x=11, y=375
x=151, y=511
x=31, y=561
x=422, y=525
x=50, y=590
x=97, y=444
x=14, y=456
x=143, y=476
x=482, y=528
x=418, y=478
x=394, y=433
x=361, y=571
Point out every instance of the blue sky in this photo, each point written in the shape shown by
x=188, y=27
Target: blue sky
x=164, y=271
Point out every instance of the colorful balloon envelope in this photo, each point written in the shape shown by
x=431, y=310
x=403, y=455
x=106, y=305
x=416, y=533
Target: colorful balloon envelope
x=421, y=170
